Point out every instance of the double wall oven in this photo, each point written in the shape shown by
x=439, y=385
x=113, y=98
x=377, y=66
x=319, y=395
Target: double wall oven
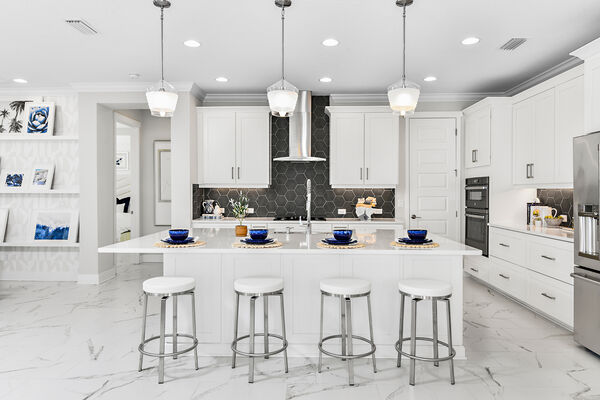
x=477, y=213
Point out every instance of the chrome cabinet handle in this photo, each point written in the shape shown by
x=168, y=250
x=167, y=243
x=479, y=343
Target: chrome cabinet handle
x=367, y=173
x=548, y=296
x=232, y=177
x=361, y=174
x=504, y=244
x=531, y=168
x=474, y=269
x=473, y=156
x=475, y=216
x=414, y=216
x=548, y=258
x=238, y=172
x=504, y=276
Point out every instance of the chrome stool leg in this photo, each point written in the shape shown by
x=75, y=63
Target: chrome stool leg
x=371, y=330
x=251, y=349
x=194, y=328
x=413, y=339
x=161, y=347
x=343, y=325
x=434, y=314
x=174, y=298
x=401, y=329
x=349, y=341
x=143, y=329
x=285, y=357
x=450, y=349
x=320, y=365
x=235, y=328
x=266, y=324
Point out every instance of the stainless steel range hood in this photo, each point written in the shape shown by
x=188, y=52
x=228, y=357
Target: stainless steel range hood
x=300, y=131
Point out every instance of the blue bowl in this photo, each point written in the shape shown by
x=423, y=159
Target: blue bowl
x=179, y=234
x=417, y=234
x=343, y=235
x=259, y=234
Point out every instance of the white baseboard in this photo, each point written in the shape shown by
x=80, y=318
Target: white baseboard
x=96, y=279
x=38, y=276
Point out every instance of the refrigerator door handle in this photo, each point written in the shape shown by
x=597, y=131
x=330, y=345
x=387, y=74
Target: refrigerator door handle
x=575, y=275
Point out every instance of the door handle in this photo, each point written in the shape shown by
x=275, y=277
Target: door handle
x=548, y=258
x=238, y=172
x=475, y=216
x=232, y=177
x=414, y=216
x=548, y=296
x=503, y=244
x=504, y=276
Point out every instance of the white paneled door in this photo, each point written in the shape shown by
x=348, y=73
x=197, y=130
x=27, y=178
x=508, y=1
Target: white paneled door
x=433, y=180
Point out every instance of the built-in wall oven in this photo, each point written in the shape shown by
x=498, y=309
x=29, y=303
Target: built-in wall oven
x=477, y=213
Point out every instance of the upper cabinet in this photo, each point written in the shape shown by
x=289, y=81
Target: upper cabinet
x=545, y=120
x=234, y=147
x=590, y=54
x=364, y=147
x=478, y=130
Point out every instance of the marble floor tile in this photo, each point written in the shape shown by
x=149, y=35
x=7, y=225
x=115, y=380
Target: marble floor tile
x=67, y=341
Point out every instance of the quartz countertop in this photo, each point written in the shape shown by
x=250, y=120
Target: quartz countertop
x=558, y=233
x=220, y=240
x=270, y=220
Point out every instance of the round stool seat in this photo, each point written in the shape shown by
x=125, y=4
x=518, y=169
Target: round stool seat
x=258, y=285
x=168, y=284
x=425, y=287
x=345, y=286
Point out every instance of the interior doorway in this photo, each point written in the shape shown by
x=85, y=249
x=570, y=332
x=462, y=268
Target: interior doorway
x=127, y=183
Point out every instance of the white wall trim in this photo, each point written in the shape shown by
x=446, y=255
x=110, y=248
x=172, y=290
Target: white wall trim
x=558, y=69
x=100, y=87
x=589, y=50
x=41, y=276
x=382, y=99
x=235, y=99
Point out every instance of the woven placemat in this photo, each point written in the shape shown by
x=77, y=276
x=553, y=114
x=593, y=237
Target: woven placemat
x=272, y=245
x=432, y=245
x=197, y=243
x=345, y=246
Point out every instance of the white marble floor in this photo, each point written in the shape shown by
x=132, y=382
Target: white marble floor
x=65, y=341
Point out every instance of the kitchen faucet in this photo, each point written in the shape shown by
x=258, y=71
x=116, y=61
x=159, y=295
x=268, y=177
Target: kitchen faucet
x=308, y=201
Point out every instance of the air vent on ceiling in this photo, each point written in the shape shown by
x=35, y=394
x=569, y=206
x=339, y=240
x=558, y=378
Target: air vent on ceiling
x=81, y=26
x=512, y=44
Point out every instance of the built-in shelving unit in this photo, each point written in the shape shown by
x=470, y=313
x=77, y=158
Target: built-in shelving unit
x=39, y=138
x=39, y=244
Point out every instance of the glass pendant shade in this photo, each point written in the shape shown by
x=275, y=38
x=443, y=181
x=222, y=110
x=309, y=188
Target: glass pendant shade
x=403, y=96
x=162, y=99
x=282, y=97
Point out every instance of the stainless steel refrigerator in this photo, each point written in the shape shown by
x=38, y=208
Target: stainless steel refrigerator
x=586, y=277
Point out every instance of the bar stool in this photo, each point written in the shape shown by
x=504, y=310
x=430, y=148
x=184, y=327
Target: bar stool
x=417, y=290
x=165, y=287
x=346, y=289
x=256, y=287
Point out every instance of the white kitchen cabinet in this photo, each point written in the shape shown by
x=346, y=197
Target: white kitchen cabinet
x=234, y=147
x=478, y=130
x=590, y=54
x=364, y=147
x=569, y=123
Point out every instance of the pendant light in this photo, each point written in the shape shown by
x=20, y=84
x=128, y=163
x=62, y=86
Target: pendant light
x=162, y=98
x=282, y=95
x=403, y=95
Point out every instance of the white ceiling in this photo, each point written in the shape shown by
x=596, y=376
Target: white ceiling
x=240, y=40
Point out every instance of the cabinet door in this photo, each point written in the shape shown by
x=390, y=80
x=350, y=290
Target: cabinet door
x=478, y=138
x=569, y=123
x=470, y=140
x=544, y=134
x=346, y=166
x=218, y=155
x=253, y=148
x=382, y=131
x=523, y=140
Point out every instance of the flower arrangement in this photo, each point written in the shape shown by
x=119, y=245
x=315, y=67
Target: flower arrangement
x=239, y=207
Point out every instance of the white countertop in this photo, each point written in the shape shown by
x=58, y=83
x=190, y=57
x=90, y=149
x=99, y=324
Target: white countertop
x=552, y=233
x=220, y=240
x=269, y=220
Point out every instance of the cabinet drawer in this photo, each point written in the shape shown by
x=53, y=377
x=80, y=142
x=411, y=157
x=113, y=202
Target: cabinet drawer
x=477, y=266
x=550, y=259
x=508, y=246
x=509, y=278
x=550, y=296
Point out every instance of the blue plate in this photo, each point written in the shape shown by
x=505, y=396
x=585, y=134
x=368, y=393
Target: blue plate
x=411, y=241
x=253, y=241
x=171, y=241
x=339, y=242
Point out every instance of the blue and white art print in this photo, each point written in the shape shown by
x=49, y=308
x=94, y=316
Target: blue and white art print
x=12, y=180
x=38, y=119
x=42, y=177
x=55, y=225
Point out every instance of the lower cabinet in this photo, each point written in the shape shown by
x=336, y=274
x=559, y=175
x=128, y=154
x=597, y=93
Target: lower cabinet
x=537, y=274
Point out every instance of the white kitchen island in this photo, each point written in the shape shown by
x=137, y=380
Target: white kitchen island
x=302, y=264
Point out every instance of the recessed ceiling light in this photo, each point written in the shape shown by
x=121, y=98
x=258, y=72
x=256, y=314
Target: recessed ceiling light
x=470, y=40
x=221, y=79
x=19, y=80
x=430, y=79
x=191, y=43
x=331, y=42
x=134, y=76
x=325, y=79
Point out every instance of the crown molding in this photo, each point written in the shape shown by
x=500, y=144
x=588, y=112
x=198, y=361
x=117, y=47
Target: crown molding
x=558, y=69
x=382, y=99
x=235, y=99
x=587, y=51
x=184, y=86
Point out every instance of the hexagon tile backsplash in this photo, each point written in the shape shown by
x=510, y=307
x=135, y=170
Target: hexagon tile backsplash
x=561, y=199
x=287, y=193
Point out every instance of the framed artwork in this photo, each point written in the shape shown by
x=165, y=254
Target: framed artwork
x=55, y=225
x=11, y=115
x=162, y=182
x=122, y=161
x=3, y=223
x=38, y=119
x=12, y=180
x=41, y=177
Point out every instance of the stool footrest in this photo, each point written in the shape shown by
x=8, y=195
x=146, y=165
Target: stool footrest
x=398, y=347
x=269, y=353
x=175, y=353
x=345, y=357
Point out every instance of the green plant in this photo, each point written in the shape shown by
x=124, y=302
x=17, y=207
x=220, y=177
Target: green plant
x=239, y=207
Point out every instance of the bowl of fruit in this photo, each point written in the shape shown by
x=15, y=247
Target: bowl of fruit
x=552, y=221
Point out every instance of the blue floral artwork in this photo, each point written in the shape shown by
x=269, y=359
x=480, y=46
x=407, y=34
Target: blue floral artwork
x=14, y=180
x=37, y=121
x=52, y=225
x=45, y=232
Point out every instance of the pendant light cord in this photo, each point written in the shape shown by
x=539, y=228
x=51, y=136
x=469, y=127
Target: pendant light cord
x=282, y=47
x=404, y=45
x=162, y=40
